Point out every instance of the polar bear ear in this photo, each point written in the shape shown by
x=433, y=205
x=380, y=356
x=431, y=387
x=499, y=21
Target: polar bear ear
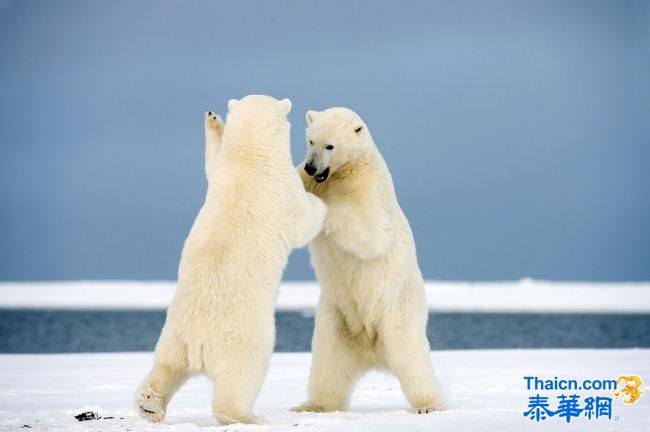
x=232, y=103
x=357, y=126
x=285, y=105
x=310, y=116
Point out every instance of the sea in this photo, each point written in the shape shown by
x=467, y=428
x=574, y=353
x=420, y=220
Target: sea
x=72, y=331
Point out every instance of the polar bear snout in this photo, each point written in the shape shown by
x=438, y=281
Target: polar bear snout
x=310, y=169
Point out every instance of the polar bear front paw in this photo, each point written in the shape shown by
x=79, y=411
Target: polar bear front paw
x=213, y=122
x=150, y=405
x=319, y=210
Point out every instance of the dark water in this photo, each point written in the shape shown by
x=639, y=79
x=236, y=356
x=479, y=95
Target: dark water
x=59, y=331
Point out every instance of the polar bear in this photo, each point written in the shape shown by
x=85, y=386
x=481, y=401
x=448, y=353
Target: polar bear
x=372, y=311
x=221, y=319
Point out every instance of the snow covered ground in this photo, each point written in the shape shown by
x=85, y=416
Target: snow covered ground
x=486, y=392
x=525, y=295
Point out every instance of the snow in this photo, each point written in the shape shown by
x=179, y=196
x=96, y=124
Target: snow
x=525, y=295
x=486, y=391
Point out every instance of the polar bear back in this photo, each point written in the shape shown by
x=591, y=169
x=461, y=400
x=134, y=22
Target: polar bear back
x=238, y=246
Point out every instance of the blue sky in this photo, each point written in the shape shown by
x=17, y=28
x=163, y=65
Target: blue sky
x=517, y=132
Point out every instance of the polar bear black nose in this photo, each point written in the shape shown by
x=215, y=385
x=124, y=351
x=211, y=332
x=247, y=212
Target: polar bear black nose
x=309, y=169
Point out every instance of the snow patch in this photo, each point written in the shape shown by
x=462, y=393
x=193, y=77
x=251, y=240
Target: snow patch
x=525, y=295
x=484, y=388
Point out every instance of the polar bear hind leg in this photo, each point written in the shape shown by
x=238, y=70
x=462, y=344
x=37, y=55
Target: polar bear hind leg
x=238, y=371
x=335, y=366
x=406, y=352
x=168, y=374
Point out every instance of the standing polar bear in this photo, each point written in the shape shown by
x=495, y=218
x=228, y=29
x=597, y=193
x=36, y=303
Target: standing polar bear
x=221, y=320
x=372, y=310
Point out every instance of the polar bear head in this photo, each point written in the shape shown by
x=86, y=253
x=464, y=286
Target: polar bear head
x=335, y=137
x=257, y=121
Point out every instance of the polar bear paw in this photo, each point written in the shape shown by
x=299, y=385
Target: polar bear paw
x=429, y=407
x=150, y=404
x=311, y=407
x=226, y=418
x=213, y=122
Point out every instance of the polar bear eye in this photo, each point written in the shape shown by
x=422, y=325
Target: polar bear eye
x=311, y=142
x=330, y=147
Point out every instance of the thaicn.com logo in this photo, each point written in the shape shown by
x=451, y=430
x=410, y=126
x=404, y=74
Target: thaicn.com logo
x=569, y=399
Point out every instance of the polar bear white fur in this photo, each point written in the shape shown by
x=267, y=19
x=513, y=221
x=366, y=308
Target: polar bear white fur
x=221, y=319
x=372, y=311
